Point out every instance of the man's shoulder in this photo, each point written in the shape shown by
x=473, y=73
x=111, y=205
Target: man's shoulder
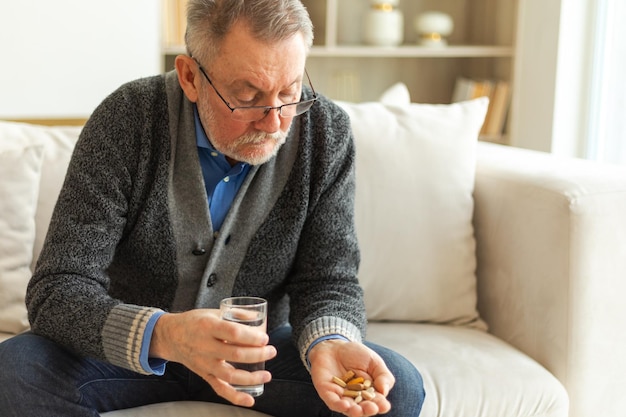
x=326, y=112
x=142, y=95
x=151, y=85
x=326, y=132
x=129, y=110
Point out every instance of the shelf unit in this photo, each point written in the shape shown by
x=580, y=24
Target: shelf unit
x=482, y=46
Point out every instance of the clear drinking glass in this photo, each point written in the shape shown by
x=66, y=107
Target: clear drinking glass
x=251, y=311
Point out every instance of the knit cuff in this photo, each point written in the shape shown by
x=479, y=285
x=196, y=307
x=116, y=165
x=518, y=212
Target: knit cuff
x=122, y=335
x=325, y=326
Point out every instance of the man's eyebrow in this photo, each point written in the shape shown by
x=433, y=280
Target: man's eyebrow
x=248, y=84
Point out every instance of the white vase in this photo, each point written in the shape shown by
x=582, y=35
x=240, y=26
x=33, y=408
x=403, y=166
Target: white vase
x=384, y=24
x=433, y=28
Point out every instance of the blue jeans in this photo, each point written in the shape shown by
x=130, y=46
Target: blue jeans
x=39, y=378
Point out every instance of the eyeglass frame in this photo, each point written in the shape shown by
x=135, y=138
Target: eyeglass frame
x=266, y=108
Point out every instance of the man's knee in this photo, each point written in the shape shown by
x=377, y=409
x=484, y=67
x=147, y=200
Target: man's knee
x=407, y=395
x=17, y=355
x=28, y=359
x=22, y=369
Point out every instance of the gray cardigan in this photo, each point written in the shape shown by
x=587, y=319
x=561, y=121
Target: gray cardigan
x=131, y=232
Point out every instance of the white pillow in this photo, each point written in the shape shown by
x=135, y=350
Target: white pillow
x=20, y=169
x=397, y=94
x=58, y=142
x=415, y=167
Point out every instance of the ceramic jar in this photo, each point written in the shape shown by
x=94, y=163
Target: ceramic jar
x=384, y=24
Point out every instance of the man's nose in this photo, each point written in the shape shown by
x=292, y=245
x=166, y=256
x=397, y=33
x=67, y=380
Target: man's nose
x=271, y=122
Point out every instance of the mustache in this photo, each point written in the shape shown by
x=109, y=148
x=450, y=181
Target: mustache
x=260, y=137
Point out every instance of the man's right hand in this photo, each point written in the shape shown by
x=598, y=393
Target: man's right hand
x=205, y=344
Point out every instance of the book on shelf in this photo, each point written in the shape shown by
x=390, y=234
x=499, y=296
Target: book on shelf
x=499, y=94
x=174, y=22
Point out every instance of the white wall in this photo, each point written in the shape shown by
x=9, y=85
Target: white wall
x=573, y=79
x=60, y=58
x=536, y=63
x=554, y=59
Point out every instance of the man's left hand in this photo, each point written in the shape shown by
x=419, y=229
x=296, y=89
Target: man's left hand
x=335, y=358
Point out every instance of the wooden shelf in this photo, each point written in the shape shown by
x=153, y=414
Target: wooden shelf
x=363, y=51
x=455, y=51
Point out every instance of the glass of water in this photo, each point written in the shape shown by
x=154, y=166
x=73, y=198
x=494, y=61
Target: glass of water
x=251, y=311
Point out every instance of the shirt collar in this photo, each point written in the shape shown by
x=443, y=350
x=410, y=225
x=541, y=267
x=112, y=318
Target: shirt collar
x=202, y=140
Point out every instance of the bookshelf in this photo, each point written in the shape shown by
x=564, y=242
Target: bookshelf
x=481, y=47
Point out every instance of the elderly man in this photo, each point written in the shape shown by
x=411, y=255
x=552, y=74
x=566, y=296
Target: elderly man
x=229, y=176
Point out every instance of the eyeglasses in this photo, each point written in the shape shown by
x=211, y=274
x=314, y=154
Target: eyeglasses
x=256, y=113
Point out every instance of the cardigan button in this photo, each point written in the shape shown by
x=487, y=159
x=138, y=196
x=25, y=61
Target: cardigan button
x=212, y=280
x=199, y=251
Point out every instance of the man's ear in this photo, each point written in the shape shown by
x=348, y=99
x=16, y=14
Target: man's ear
x=187, y=71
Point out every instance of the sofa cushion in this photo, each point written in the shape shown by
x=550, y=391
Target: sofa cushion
x=468, y=372
x=20, y=168
x=414, y=221
x=41, y=177
x=185, y=409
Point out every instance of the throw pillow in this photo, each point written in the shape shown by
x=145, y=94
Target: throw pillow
x=415, y=167
x=58, y=142
x=396, y=94
x=20, y=169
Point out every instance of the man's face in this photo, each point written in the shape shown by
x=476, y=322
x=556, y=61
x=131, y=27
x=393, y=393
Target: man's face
x=250, y=73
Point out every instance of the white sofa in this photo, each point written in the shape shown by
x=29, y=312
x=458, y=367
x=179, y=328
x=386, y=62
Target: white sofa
x=457, y=237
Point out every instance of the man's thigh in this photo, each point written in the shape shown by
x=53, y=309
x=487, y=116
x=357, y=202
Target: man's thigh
x=72, y=385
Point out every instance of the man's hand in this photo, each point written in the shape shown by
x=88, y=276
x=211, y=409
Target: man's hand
x=334, y=358
x=205, y=344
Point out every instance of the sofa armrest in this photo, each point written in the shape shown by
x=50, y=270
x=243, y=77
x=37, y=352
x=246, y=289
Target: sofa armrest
x=551, y=249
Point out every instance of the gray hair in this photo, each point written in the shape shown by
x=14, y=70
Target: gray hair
x=209, y=21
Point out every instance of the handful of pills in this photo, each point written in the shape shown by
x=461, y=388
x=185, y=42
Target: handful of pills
x=355, y=387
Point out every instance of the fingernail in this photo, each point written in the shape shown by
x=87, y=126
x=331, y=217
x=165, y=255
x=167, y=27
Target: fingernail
x=272, y=351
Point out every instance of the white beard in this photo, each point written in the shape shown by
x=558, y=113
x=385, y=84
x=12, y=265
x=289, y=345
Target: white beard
x=230, y=148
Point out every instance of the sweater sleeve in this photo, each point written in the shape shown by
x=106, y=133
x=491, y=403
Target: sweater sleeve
x=92, y=236
x=325, y=328
x=325, y=294
x=123, y=335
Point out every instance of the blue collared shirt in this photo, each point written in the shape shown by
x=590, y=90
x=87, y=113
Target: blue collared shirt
x=221, y=181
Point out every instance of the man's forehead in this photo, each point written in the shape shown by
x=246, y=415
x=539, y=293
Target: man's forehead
x=252, y=81
x=256, y=74
x=240, y=48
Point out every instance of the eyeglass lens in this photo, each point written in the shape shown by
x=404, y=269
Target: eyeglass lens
x=257, y=113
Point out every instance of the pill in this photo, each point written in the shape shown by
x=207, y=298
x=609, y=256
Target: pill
x=367, y=395
x=357, y=380
x=348, y=376
x=339, y=382
x=355, y=387
x=351, y=393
